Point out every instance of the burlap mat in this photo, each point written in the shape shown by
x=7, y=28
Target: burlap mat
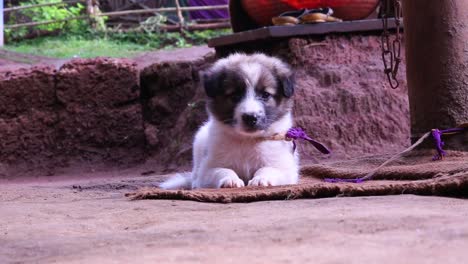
x=413, y=174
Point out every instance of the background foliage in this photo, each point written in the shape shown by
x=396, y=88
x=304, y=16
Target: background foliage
x=77, y=38
x=46, y=13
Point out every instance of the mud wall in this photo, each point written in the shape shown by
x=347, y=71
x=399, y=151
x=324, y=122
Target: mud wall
x=88, y=111
x=97, y=113
x=344, y=98
x=173, y=109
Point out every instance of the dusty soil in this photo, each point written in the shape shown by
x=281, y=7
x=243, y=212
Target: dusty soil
x=83, y=216
x=87, y=219
x=148, y=112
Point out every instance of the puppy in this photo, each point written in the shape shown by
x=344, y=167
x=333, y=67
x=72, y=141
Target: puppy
x=249, y=100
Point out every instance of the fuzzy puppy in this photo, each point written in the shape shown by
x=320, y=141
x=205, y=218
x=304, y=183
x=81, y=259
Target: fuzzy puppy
x=249, y=99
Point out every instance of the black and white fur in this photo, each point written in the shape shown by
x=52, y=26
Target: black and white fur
x=249, y=98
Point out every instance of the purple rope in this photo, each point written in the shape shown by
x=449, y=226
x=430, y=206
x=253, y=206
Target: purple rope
x=296, y=133
x=337, y=180
x=439, y=144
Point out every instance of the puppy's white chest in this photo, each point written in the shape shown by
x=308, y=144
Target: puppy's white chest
x=245, y=158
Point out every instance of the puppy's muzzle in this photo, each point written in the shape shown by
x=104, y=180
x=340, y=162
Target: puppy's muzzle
x=251, y=121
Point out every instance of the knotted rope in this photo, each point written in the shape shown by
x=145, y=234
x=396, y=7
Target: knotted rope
x=439, y=144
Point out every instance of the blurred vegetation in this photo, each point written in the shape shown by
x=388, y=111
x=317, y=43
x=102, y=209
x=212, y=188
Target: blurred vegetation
x=113, y=44
x=76, y=38
x=46, y=13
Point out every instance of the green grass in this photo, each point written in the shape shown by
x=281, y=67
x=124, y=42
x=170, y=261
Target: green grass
x=89, y=45
x=68, y=47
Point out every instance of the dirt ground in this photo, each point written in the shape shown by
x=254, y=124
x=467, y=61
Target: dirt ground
x=87, y=219
x=84, y=217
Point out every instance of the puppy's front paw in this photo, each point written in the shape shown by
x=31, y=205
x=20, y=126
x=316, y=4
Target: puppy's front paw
x=231, y=182
x=261, y=181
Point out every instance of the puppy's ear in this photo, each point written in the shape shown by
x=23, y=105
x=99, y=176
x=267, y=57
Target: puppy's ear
x=287, y=85
x=212, y=83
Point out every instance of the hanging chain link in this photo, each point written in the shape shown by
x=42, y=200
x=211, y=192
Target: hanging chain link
x=391, y=50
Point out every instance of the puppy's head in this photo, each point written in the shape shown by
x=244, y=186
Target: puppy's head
x=249, y=92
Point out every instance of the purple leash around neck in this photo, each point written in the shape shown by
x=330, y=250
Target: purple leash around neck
x=296, y=133
x=436, y=135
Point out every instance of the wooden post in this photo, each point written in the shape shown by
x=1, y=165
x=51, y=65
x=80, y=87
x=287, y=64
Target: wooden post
x=94, y=14
x=180, y=16
x=90, y=11
x=1, y=24
x=436, y=39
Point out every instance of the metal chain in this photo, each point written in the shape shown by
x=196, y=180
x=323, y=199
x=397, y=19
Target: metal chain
x=391, y=54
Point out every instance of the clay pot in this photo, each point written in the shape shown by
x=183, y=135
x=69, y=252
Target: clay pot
x=261, y=11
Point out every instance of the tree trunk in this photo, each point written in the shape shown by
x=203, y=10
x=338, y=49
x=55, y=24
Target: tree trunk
x=436, y=39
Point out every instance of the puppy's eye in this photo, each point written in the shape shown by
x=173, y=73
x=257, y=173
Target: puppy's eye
x=235, y=96
x=265, y=95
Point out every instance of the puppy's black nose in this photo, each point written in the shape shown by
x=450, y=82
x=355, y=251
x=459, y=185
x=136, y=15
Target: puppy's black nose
x=250, y=119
